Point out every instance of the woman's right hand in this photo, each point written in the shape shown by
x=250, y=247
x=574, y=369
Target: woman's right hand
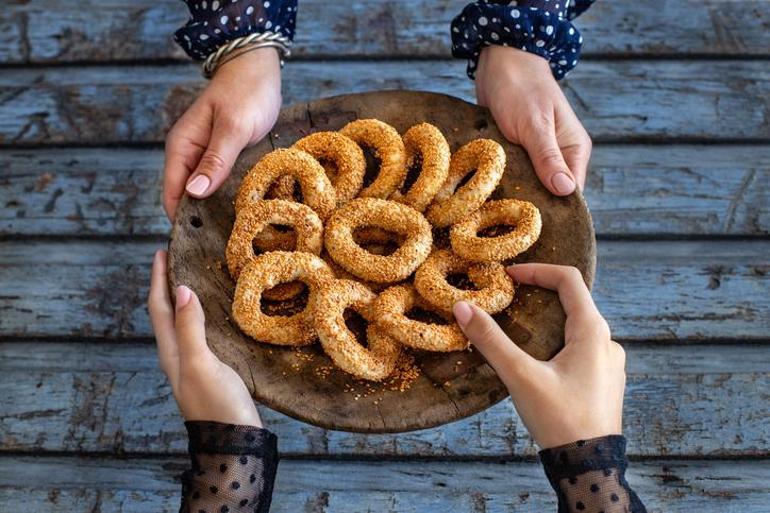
x=578, y=394
x=238, y=108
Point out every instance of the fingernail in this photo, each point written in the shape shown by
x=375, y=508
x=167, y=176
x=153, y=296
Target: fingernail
x=463, y=313
x=183, y=295
x=563, y=183
x=198, y=185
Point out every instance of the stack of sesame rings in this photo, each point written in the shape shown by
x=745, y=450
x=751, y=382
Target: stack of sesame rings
x=266, y=271
x=374, y=362
x=254, y=217
x=495, y=286
x=388, y=148
x=454, y=202
x=522, y=215
x=390, y=309
x=389, y=215
x=427, y=149
x=331, y=245
x=317, y=191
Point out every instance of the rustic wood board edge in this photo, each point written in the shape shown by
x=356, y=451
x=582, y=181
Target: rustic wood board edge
x=451, y=387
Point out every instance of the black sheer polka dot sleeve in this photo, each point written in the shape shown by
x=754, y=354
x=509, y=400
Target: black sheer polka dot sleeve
x=233, y=469
x=214, y=23
x=541, y=27
x=588, y=476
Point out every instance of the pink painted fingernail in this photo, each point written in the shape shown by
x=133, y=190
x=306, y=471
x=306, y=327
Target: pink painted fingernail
x=563, y=183
x=198, y=185
x=463, y=313
x=183, y=295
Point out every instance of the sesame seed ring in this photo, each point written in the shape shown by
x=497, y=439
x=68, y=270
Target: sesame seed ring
x=425, y=146
x=374, y=362
x=389, y=215
x=486, y=159
x=266, y=271
x=317, y=191
x=523, y=215
x=390, y=309
x=495, y=286
x=388, y=148
x=349, y=163
x=255, y=217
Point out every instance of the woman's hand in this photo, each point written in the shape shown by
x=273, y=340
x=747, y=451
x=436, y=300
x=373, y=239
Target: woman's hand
x=204, y=387
x=578, y=394
x=531, y=110
x=238, y=108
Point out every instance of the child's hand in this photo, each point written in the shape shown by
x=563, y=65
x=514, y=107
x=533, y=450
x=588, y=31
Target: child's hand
x=238, y=108
x=531, y=110
x=204, y=387
x=578, y=394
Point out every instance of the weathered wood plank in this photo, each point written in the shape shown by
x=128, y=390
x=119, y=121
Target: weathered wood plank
x=634, y=190
x=138, y=485
x=617, y=100
x=50, y=31
x=647, y=290
x=681, y=401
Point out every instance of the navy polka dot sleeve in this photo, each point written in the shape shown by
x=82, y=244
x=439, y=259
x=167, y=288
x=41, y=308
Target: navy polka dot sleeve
x=541, y=27
x=588, y=476
x=233, y=469
x=217, y=22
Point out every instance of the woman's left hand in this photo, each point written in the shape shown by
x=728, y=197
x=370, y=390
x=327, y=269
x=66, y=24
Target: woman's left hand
x=531, y=109
x=205, y=388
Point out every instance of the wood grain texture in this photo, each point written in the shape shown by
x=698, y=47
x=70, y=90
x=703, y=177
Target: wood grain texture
x=134, y=485
x=661, y=290
x=98, y=31
x=632, y=190
x=682, y=401
x=616, y=100
x=449, y=386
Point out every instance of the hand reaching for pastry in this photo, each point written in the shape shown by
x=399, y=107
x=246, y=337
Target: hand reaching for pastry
x=238, y=108
x=578, y=394
x=203, y=386
x=531, y=110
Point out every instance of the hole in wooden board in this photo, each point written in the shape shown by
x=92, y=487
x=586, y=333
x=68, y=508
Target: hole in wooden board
x=481, y=125
x=196, y=221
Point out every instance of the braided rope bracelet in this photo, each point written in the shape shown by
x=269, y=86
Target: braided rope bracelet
x=247, y=43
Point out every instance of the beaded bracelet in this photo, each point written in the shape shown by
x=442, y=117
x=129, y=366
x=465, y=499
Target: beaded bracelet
x=241, y=45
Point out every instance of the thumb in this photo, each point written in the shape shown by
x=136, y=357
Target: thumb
x=509, y=361
x=190, y=325
x=226, y=143
x=543, y=149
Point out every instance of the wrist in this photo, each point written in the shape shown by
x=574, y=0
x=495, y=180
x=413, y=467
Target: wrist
x=256, y=62
x=514, y=59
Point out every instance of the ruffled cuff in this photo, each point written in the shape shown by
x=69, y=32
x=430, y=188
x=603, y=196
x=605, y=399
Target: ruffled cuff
x=589, y=475
x=214, y=23
x=578, y=7
x=535, y=30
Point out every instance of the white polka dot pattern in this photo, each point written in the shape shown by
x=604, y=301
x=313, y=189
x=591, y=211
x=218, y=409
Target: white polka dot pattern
x=541, y=27
x=216, y=23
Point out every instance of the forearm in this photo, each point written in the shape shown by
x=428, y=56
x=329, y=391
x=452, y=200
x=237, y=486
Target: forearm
x=232, y=468
x=589, y=475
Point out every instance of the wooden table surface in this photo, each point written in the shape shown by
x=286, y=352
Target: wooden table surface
x=676, y=94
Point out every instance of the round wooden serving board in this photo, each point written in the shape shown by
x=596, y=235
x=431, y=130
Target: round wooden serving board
x=451, y=386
